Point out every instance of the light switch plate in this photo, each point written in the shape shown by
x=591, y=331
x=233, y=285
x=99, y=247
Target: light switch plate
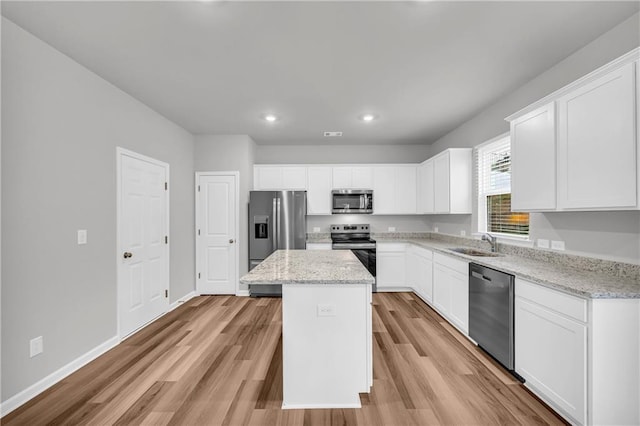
x=316, y=229
x=391, y=229
x=82, y=236
x=557, y=245
x=435, y=229
x=36, y=346
x=463, y=233
x=542, y=243
x=326, y=310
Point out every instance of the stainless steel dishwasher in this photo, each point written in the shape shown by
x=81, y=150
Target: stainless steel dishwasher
x=491, y=322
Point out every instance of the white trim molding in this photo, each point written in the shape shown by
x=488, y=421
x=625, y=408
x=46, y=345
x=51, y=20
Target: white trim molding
x=37, y=388
x=182, y=300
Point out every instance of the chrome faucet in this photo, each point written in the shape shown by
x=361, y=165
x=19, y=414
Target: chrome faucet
x=491, y=239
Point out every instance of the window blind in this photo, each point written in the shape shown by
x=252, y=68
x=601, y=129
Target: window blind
x=493, y=167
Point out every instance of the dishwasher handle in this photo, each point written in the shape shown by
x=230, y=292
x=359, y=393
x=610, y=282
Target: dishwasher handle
x=478, y=275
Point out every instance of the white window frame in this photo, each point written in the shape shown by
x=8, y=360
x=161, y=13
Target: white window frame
x=481, y=193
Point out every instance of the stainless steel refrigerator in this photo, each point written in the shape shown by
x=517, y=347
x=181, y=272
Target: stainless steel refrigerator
x=277, y=220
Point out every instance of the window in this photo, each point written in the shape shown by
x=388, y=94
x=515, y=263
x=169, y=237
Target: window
x=493, y=163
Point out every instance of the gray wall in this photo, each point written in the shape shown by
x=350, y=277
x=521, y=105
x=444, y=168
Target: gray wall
x=378, y=223
x=230, y=153
x=328, y=154
x=614, y=235
x=62, y=124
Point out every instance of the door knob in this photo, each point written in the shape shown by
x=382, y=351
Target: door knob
x=231, y=241
x=127, y=255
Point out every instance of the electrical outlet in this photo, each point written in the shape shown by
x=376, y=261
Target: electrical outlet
x=391, y=229
x=435, y=229
x=326, y=310
x=557, y=245
x=82, y=236
x=542, y=243
x=316, y=229
x=463, y=233
x=36, y=346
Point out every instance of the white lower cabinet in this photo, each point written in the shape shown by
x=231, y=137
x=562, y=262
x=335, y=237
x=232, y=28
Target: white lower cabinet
x=391, y=266
x=420, y=271
x=551, y=350
x=451, y=290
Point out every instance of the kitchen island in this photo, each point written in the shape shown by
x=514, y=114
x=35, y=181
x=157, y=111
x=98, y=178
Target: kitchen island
x=326, y=326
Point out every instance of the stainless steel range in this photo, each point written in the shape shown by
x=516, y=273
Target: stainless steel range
x=357, y=238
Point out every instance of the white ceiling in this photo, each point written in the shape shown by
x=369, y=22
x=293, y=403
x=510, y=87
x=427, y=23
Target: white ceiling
x=215, y=67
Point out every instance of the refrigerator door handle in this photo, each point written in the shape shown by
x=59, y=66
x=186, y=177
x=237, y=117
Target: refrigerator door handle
x=274, y=226
x=278, y=221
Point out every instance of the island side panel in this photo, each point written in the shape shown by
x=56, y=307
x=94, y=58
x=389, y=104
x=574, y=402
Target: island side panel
x=326, y=345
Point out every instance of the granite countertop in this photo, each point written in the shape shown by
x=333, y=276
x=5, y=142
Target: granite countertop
x=577, y=279
x=309, y=267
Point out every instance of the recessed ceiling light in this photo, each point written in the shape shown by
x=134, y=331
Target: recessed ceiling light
x=270, y=117
x=367, y=117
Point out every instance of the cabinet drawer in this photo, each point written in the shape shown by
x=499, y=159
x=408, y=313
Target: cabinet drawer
x=457, y=265
x=420, y=251
x=391, y=247
x=558, y=301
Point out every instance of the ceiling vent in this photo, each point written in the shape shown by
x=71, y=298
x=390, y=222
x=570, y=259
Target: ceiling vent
x=332, y=134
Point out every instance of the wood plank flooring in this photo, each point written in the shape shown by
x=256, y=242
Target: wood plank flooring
x=217, y=360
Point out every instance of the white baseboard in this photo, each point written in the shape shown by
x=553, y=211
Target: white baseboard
x=319, y=406
x=243, y=293
x=183, y=299
x=32, y=391
x=394, y=289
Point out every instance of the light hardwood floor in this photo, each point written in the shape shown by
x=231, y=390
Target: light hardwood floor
x=217, y=360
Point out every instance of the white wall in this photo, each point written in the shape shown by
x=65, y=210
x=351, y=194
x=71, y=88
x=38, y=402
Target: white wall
x=612, y=235
x=231, y=153
x=61, y=126
x=328, y=154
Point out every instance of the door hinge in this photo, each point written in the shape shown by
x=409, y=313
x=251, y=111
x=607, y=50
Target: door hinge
x=166, y=293
x=166, y=186
x=198, y=188
x=198, y=275
x=198, y=232
x=166, y=239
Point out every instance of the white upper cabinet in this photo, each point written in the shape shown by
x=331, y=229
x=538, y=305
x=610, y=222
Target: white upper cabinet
x=451, y=182
x=425, y=188
x=268, y=177
x=533, y=160
x=577, y=149
x=319, y=184
x=394, y=189
x=353, y=177
x=597, y=143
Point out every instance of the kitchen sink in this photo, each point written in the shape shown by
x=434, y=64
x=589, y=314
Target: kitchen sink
x=474, y=252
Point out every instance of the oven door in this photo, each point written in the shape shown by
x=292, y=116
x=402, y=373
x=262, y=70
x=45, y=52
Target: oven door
x=368, y=258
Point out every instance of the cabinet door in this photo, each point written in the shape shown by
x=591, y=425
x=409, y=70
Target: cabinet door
x=533, y=160
x=425, y=278
x=550, y=353
x=384, y=179
x=425, y=187
x=342, y=178
x=459, y=300
x=362, y=177
x=405, y=190
x=318, y=246
x=597, y=144
x=391, y=270
x=267, y=178
x=412, y=269
x=441, y=183
x=319, y=190
x=294, y=177
x=441, y=289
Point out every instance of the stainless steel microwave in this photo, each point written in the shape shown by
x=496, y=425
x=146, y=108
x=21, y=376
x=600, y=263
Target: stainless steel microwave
x=352, y=201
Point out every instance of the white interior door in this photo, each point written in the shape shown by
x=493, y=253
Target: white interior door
x=217, y=233
x=143, y=254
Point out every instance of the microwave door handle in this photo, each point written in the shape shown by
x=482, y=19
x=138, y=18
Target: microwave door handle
x=274, y=226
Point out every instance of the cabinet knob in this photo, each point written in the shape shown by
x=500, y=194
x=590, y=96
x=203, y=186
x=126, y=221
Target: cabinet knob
x=127, y=255
x=231, y=241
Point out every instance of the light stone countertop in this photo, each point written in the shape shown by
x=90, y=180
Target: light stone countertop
x=309, y=267
x=569, y=279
